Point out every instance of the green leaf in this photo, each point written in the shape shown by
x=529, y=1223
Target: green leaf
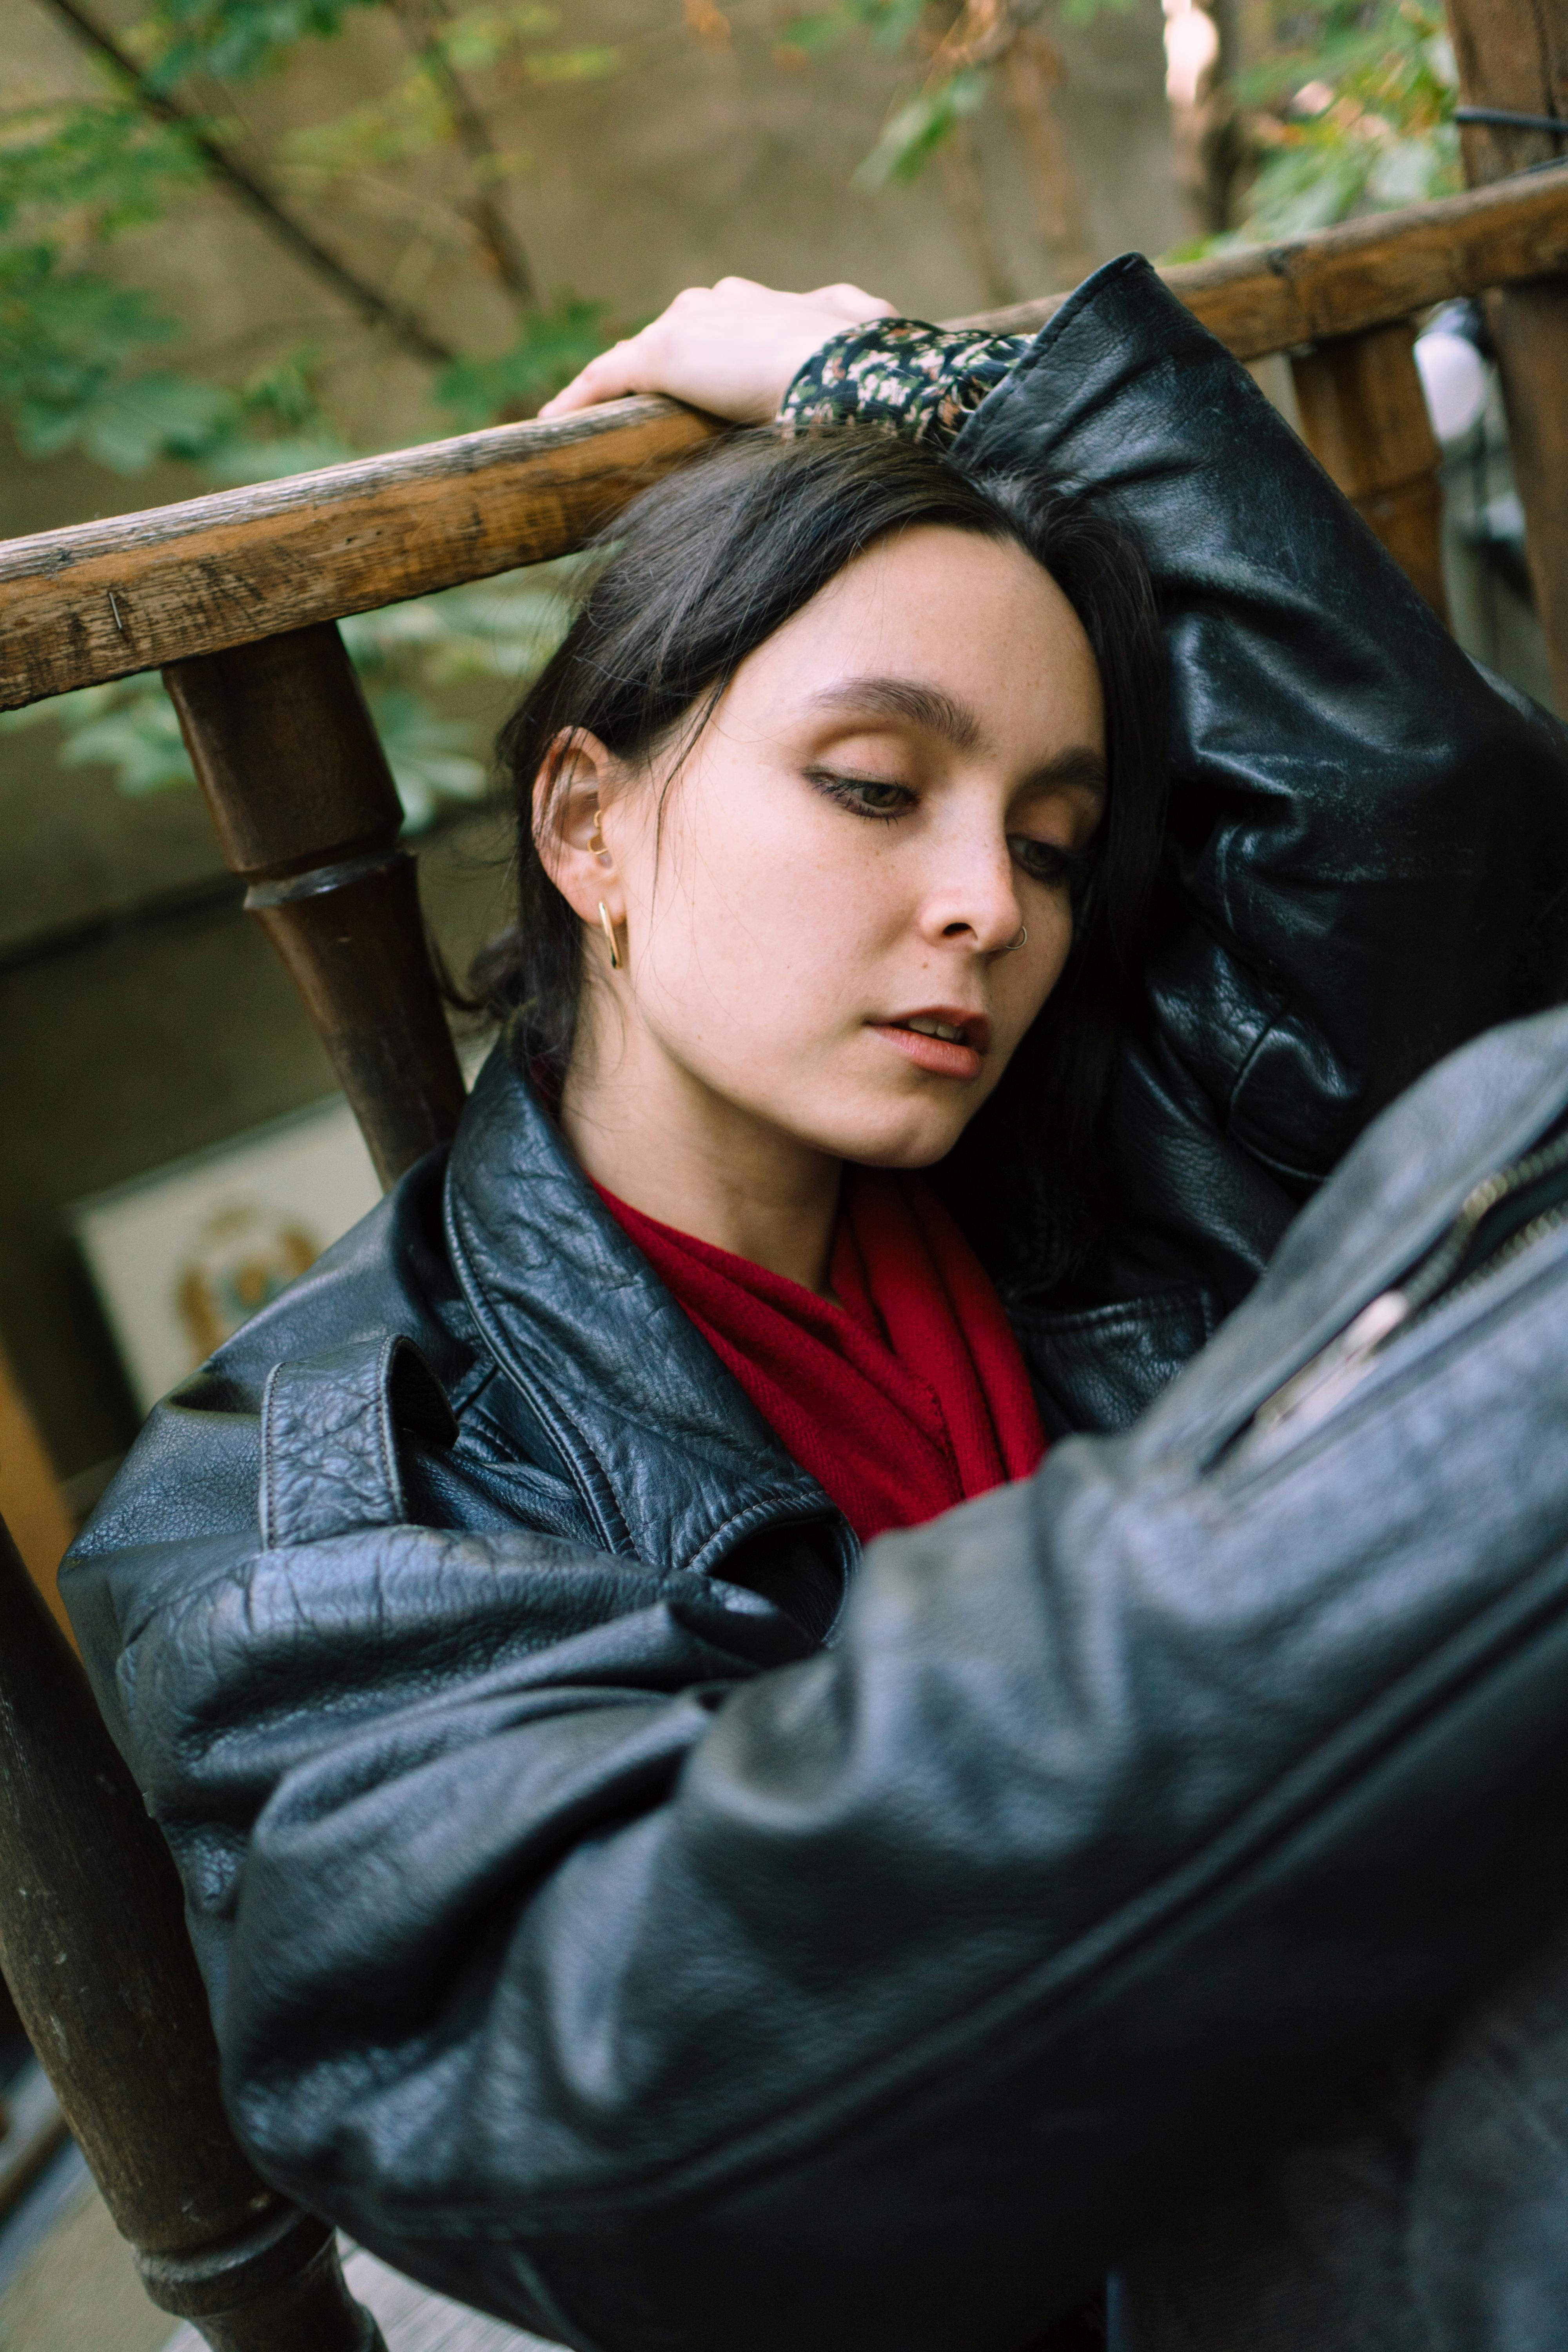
x=128, y=727
x=506, y=628
x=476, y=39
x=1412, y=170
x=233, y=39
x=411, y=119
x=151, y=416
x=572, y=64
x=889, y=22
x=1079, y=13
x=814, y=36
x=430, y=758
x=552, y=346
x=87, y=167
x=1390, y=59
x=919, y=128
x=67, y=338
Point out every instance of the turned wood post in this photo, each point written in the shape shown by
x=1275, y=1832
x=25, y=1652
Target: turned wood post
x=1364, y=418
x=1513, y=56
x=306, y=810
x=94, y=1950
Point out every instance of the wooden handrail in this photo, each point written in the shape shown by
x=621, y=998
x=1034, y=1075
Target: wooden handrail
x=101, y=599
x=1366, y=273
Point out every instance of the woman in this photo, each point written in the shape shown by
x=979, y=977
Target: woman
x=601, y=1916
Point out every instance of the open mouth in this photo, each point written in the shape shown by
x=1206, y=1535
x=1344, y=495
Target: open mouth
x=946, y=1043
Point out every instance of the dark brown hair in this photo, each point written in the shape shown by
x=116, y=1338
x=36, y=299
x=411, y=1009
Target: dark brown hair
x=699, y=570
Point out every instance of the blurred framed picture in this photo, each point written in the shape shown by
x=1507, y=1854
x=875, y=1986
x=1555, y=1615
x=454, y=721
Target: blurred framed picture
x=182, y=1257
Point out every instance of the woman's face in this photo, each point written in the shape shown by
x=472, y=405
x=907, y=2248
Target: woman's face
x=895, y=788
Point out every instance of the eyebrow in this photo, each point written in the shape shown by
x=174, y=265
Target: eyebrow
x=1077, y=765
x=905, y=698
x=943, y=716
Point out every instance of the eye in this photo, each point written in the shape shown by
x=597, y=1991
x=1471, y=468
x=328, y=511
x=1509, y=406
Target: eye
x=1048, y=862
x=872, y=796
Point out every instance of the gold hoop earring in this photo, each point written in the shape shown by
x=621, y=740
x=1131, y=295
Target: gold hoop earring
x=610, y=935
x=596, y=839
x=1014, y=945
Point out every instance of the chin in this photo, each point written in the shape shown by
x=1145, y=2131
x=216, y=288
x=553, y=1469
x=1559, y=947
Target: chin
x=873, y=1117
x=905, y=1135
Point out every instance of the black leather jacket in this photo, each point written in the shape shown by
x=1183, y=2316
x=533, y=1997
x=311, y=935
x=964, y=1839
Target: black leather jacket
x=598, y=1919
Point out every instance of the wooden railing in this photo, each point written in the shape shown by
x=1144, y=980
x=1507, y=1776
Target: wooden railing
x=140, y=591
x=235, y=596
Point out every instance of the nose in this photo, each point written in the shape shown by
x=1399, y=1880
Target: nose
x=974, y=901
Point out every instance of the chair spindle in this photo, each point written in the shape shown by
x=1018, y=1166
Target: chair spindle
x=94, y=1949
x=307, y=812
x=1363, y=417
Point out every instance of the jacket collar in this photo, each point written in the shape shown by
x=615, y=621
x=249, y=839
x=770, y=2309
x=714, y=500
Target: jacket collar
x=673, y=1460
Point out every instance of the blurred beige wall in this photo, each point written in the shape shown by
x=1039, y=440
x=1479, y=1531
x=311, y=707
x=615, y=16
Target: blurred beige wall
x=694, y=159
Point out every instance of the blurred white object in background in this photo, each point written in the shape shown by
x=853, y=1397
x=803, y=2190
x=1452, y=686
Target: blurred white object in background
x=1192, y=49
x=1454, y=379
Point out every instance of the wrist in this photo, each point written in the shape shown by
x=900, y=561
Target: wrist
x=902, y=375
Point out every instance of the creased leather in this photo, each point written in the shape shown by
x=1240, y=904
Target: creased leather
x=1371, y=838
x=594, y=1945
x=330, y=1438
x=625, y=1912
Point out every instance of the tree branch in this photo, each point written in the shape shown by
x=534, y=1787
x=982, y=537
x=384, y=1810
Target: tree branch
x=375, y=308
x=419, y=21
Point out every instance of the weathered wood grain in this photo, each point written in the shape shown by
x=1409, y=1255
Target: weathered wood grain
x=304, y=805
x=1366, y=273
x=102, y=600
x=94, y=1949
x=139, y=591
x=1363, y=417
x=1513, y=54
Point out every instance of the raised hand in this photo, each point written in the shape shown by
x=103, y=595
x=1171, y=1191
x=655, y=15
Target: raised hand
x=732, y=349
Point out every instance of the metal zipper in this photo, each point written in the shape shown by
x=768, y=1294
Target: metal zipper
x=1337, y=1368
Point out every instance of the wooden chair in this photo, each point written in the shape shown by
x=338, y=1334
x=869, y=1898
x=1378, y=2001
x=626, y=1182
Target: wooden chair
x=235, y=597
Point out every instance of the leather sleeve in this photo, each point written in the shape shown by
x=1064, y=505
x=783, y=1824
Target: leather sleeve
x=592, y=1946
x=1372, y=840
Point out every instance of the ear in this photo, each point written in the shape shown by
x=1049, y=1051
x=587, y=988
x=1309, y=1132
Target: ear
x=574, y=808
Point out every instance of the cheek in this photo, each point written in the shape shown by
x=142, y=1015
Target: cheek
x=1039, y=963
x=754, y=919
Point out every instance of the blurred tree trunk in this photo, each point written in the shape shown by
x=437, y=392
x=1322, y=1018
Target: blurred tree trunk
x=1035, y=72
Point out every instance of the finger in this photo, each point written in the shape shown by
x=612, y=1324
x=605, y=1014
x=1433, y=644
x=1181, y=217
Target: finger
x=610, y=376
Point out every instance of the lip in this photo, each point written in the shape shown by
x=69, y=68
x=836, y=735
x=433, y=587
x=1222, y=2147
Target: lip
x=943, y=1058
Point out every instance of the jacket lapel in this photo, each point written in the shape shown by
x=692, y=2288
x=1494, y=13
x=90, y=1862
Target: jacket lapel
x=674, y=1462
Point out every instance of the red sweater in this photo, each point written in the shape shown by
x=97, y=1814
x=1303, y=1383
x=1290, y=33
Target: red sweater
x=903, y=1400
